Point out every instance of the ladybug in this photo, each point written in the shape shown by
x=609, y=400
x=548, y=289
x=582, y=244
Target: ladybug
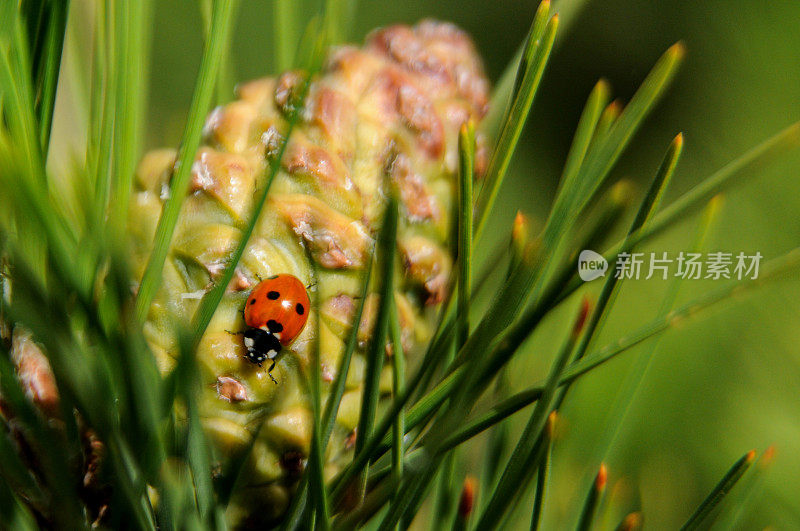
x=275, y=313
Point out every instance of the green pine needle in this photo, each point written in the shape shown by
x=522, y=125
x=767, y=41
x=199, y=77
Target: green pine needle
x=316, y=469
x=516, y=475
x=720, y=490
x=607, y=297
x=466, y=178
x=541, y=478
x=592, y=500
x=221, y=23
x=398, y=386
x=211, y=300
x=377, y=347
x=532, y=65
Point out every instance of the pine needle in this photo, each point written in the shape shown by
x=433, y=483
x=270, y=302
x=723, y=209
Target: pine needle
x=221, y=22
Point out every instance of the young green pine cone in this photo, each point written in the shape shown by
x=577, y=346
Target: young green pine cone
x=388, y=112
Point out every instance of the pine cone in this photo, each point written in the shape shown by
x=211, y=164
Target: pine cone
x=385, y=114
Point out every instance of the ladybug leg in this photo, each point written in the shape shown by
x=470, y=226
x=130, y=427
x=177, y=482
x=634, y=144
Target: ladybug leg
x=235, y=333
x=269, y=372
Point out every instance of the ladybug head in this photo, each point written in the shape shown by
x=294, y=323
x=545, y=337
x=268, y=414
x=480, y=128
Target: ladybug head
x=261, y=345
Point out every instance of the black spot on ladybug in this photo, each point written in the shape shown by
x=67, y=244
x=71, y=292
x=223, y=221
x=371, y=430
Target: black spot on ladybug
x=252, y=302
x=300, y=309
x=274, y=326
x=273, y=295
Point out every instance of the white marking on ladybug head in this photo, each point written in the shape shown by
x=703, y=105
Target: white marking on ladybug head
x=249, y=342
x=271, y=354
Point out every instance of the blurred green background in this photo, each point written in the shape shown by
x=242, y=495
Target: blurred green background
x=718, y=385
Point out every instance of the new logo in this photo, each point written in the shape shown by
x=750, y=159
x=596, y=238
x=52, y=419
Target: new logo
x=591, y=265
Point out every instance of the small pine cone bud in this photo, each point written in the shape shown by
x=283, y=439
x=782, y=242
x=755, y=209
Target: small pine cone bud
x=34, y=372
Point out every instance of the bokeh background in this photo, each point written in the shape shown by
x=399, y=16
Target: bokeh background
x=721, y=383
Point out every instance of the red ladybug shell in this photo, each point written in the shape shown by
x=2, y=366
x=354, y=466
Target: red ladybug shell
x=279, y=305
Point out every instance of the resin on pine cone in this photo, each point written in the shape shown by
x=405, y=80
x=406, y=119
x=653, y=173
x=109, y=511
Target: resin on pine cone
x=385, y=114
